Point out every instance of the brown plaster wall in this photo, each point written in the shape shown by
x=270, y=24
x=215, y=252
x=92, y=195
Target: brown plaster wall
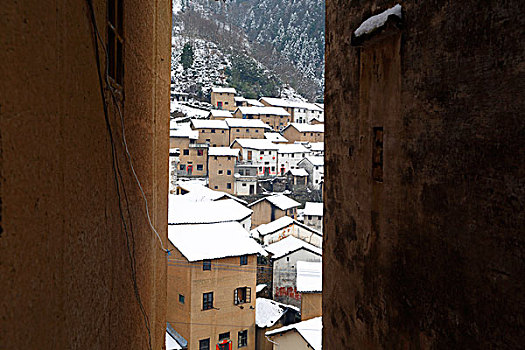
x=246, y=133
x=65, y=271
x=216, y=139
x=262, y=213
x=311, y=305
x=224, y=98
x=293, y=135
x=221, y=180
x=430, y=258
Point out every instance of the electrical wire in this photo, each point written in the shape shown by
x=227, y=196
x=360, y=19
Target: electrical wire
x=116, y=171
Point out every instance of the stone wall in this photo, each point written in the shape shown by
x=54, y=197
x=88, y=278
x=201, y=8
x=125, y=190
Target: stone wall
x=428, y=251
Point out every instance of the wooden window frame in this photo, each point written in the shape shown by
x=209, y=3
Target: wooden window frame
x=207, y=301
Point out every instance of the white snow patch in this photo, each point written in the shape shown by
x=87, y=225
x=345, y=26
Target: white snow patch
x=268, y=312
x=310, y=330
x=377, y=21
x=309, y=276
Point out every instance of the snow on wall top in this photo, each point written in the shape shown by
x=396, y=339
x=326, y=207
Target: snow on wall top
x=246, y=123
x=377, y=21
x=273, y=226
x=275, y=137
x=212, y=241
x=221, y=113
x=309, y=276
x=223, y=151
x=310, y=330
x=254, y=103
x=290, y=244
x=311, y=208
x=298, y=172
x=224, y=90
x=280, y=201
x=263, y=111
x=292, y=148
x=315, y=160
x=259, y=144
x=268, y=312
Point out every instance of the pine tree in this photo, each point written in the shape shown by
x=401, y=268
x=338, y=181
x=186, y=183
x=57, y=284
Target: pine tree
x=186, y=58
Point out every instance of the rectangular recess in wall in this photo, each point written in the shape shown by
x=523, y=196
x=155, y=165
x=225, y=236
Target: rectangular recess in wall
x=377, y=154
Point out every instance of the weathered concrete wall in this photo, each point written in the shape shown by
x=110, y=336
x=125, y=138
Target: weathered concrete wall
x=65, y=271
x=431, y=257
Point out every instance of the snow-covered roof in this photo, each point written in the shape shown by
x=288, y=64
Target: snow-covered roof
x=254, y=103
x=315, y=160
x=221, y=113
x=259, y=144
x=212, y=241
x=263, y=110
x=311, y=331
x=279, y=200
x=312, y=208
x=275, y=137
x=183, y=130
x=224, y=90
x=378, y=20
x=298, y=172
x=223, y=151
x=239, y=99
x=184, y=209
x=264, y=229
x=268, y=312
x=187, y=110
x=309, y=277
x=290, y=244
x=292, y=148
x=209, y=124
x=301, y=127
x=260, y=287
x=174, y=340
x=281, y=102
x=246, y=123
x=198, y=192
x=317, y=146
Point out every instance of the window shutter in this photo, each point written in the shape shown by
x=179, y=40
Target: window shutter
x=235, y=299
x=248, y=295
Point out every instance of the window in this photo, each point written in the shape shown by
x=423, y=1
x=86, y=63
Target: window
x=181, y=298
x=228, y=172
x=309, y=217
x=256, y=130
x=262, y=152
x=214, y=157
x=206, y=265
x=203, y=131
x=200, y=152
x=241, y=172
x=216, y=187
x=181, y=167
x=377, y=154
x=229, y=158
x=223, y=131
x=219, y=172
x=186, y=152
x=242, y=295
x=243, y=185
x=204, y=344
x=244, y=260
x=200, y=167
x=247, y=130
x=238, y=130
x=229, y=185
x=207, y=301
x=208, y=140
x=223, y=336
x=243, y=338
x=116, y=40
x=225, y=102
x=273, y=168
x=213, y=131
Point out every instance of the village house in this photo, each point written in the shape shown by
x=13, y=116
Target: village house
x=259, y=152
x=210, y=284
x=191, y=209
x=296, y=132
x=213, y=132
x=270, y=315
x=240, y=101
x=315, y=168
x=219, y=114
x=313, y=215
x=223, y=98
x=284, y=255
x=246, y=129
x=316, y=148
x=193, y=156
x=250, y=102
x=317, y=120
x=275, y=137
x=303, y=335
x=286, y=226
x=245, y=176
x=297, y=179
x=221, y=165
x=310, y=287
x=276, y=117
x=271, y=208
x=278, y=102
x=289, y=155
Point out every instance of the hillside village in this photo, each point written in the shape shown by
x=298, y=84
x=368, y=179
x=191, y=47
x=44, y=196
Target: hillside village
x=245, y=223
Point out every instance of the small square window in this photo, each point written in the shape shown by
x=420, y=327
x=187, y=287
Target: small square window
x=216, y=187
x=213, y=131
x=186, y=152
x=247, y=130
x=243, y=338
x=229, y=186
x=182, y=167
x=200, y=152
x=207, y=301
x=200, y=167
x=244, y=260
x=181, y=298
x=238, y=130
x=223, y=336
x=256, y=130
x=206, y=265
x=204, y=344
x=219, y=172
x=228, y=172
